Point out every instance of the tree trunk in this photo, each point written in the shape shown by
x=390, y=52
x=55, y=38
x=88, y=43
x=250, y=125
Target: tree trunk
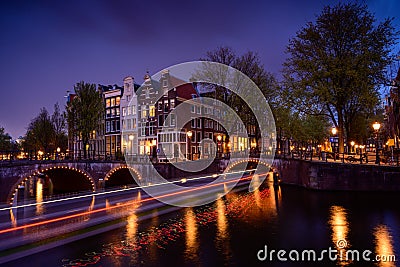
x=84, y=149
x=340, y=131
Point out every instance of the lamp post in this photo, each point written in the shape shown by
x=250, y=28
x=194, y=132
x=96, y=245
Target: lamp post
x=334, y=132
x=189, y=135
x=219, y=138
x=58, y=152
x=376, y=127
x=352, y=143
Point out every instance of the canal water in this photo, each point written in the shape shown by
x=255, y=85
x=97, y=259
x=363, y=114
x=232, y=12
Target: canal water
x=243, y=228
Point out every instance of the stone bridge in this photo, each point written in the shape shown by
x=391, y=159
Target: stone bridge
x=77, y=176
x=71, y=176
x=74, y=176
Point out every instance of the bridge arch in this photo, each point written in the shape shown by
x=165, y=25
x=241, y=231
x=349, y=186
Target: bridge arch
x=125, y=174
x=88, y=182
x=247, y=161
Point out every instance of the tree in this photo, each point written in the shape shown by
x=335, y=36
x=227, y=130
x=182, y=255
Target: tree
x=336, y=64
x=249, y=63
x=5, y=140
x=85, y=112
x=40, y=134
x=58, y=120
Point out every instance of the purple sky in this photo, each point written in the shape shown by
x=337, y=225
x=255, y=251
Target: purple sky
x=45, y=48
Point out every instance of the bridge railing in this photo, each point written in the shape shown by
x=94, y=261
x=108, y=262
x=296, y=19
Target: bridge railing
x=349, y=158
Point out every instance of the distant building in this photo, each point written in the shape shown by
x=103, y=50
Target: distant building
x=129, y=116
x=112, y=121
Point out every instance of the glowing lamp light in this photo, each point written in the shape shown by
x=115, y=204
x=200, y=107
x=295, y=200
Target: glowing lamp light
x=334, y=131
x=376, y=126
x=352, y=143
x=131, y=137
x=219, y=137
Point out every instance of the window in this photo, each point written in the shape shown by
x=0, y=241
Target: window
x=112, y=112
x=151, y=128
x=117, y=128
x=159, y=106
x=152, y=111
x=198, y=123
x=166, y=123
x=118, y=100
x=117, y=111
x=194, y=96
x=134, y=123
x=143, y=129
x=134, y=110
x=144, y=111
x=173, y=119
x=165, y=82
x=198, y=136
x=112, y=101
x=160, y=120
x=172, y=103
x=108, y=113
x=108, y=103
x=128, y=98
x=211, y=124
x=129, y=111
x=129, y=124
x=112, y=126
x=198, y=108
x=124, y=112
x=147, y=91
x=108, y=127
x=205, y=123
x=166, y=105
x=193, y=122
x=193, y=109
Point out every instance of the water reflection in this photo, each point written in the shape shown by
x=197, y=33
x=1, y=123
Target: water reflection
x=340, y=230
x=13, y=219
x=39, y=197
x=384, y=245
x=191, y=251
x=222, y=238
x=132, y=221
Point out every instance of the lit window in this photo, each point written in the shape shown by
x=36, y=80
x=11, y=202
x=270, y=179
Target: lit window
x=133, y=110
x=172, y=102
x=108, y=103
x=123, y=112
x=144, y=111
x=152, y=111
x=112, y=101
x=117, y=100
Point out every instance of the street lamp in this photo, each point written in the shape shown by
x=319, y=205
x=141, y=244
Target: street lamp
x=219, y=138
x=376, y=127
x=189, y=135
x=58, y=152
x=352, y=143
x=40, y=154
x=334, y=132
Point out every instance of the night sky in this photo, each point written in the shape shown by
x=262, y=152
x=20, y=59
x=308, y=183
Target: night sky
x=48, y=46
